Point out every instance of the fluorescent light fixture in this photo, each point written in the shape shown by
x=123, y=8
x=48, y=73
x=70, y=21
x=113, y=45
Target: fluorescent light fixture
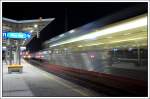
x=136, y=23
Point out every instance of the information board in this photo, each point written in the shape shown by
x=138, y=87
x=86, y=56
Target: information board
x=16, y=35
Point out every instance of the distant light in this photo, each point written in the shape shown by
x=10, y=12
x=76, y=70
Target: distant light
x=31, y=31
x=4, y=48
x=71, y=31
x=130, y=49
x=27, y=53
x=24, y=56
x=29, y=56
x=61, y=35
x=22, y=48
x=44, y=52
x=92, y=56
x=35, y=25
x=50, y=51
x=115, y=49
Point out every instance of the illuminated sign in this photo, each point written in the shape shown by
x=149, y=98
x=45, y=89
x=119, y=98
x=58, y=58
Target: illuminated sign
x=16, y=35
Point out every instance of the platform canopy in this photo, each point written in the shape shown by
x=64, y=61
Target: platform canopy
x=31, y=26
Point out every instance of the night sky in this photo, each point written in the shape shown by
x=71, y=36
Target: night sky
x=67, y=15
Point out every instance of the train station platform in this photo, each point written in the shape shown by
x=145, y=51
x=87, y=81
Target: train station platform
x=36, y=82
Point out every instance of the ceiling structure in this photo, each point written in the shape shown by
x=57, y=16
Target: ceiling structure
x=31, y=26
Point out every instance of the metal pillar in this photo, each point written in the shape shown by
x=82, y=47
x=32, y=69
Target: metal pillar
x=10, y=55
x=17, y=53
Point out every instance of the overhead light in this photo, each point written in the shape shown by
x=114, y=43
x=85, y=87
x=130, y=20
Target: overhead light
x=71, y=31
x=31, y=31
x=130, y=49
x=61, y=35
x=135, y=23
x=35, y=25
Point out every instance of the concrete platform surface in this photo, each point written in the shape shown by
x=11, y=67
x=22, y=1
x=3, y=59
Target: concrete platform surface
x=36, y=82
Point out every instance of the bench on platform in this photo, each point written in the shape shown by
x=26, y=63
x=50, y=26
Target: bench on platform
x=14, y=68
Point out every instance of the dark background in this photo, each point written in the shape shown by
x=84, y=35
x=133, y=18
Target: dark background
x=67, y=15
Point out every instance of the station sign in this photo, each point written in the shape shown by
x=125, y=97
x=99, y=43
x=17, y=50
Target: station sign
x=16, y=35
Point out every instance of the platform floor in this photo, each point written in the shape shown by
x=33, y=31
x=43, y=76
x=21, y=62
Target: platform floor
x=36, y=82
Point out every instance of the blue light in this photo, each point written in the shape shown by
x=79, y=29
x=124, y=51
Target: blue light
x=16, y=35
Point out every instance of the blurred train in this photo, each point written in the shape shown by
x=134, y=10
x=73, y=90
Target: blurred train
x=120, y=45
x=119, y=49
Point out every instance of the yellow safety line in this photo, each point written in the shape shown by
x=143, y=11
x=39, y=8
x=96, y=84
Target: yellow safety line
x=46, y=75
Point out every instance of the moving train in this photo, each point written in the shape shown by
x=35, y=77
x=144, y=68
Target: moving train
x=115, y=50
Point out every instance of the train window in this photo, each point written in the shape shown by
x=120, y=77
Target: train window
x=136, y=56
